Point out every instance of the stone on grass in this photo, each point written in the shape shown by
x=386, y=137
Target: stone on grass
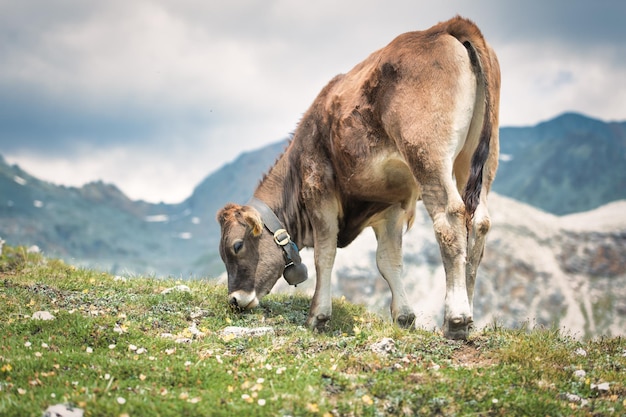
x=181, y=288
x=384, y=347
x=235, y=331
x=42, y=315
x=62, y=410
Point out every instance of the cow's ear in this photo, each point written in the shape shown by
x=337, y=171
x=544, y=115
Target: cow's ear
x=253, y=218
x=226, y=212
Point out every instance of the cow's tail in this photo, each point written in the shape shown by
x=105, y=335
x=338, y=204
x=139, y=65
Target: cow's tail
x=480, y=57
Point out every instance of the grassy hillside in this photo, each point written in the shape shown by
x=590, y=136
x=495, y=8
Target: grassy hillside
x=120, y=347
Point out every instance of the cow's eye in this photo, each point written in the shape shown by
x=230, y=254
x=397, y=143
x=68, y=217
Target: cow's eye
x=237, y=246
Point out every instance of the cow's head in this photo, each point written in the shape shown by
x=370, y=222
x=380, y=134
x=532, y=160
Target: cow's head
x=254, y=262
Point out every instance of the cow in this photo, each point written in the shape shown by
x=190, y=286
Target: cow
x=417, y=119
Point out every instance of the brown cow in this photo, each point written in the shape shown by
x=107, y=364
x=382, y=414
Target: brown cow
x=417, y=119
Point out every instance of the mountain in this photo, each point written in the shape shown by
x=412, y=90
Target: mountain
x=95, y=225
x=566, y=165
x=98, y=226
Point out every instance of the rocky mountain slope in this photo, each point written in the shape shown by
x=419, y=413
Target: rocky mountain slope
x=569, y=164
x=538, y=269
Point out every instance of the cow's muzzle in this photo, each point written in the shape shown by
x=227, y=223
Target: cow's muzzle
x=243, y=300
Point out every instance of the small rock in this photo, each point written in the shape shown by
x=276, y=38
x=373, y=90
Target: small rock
x=580, y=352
x=181, y=288
x=195, y=331
x=604, y=386
x=183, y=340
x=33, y=249
x=42, y=315
x=580, y=373
x=573, y=398
x=384, y=347
x=62, y=410
x=234, y=331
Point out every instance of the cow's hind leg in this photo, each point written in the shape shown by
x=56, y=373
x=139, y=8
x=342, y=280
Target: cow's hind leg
x=447, y=210
x=481, y=224
x=389, y=261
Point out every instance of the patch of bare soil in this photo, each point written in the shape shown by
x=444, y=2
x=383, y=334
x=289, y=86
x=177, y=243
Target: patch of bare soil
x=471, y=356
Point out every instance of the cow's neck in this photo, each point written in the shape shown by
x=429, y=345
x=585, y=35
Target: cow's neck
x=280, y=190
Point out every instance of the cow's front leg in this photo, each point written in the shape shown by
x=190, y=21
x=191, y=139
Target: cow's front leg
x=325, y=229
x=321, y=305
x=389, y=261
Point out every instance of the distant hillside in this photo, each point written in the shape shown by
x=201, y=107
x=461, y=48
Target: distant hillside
x=566, y=165
x=98, y=226
x=95, y=225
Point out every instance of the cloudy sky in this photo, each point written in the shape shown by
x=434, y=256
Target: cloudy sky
x=155, y=95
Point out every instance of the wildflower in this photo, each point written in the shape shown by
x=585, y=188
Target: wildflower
x=313, y=408
x=261, y=402
x=367, y=400
x=121, y=400
x=132, y=347
x=28, y=344
x=89, y=349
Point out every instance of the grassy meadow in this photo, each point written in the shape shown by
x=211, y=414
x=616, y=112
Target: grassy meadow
x=119, y=346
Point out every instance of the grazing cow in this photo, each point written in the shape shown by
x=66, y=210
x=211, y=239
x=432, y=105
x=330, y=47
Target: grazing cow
x=416, y=119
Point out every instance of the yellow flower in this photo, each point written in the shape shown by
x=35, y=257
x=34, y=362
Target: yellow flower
x=313, y=408
x=367, y=400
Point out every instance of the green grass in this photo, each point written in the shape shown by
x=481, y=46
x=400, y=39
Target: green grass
x=105, y=353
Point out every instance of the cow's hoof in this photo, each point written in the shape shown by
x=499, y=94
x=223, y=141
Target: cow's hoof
x=457, y=328
x=406, y=321
x=318, y=322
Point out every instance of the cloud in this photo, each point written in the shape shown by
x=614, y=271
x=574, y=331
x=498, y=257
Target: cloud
x=152, y=95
